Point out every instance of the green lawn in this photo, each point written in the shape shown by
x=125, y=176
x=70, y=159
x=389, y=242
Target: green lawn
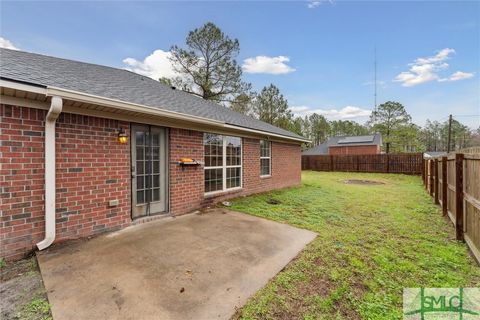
x=372, y=242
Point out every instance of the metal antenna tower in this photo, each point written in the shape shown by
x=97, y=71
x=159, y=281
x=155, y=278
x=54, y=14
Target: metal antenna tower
x=375, y=83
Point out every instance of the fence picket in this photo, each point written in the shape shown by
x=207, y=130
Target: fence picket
x=459, y=196
x=444, y=186
x=436, y=186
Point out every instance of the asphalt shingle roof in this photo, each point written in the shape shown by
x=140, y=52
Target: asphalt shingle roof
x=339, y=141
x=120, y=85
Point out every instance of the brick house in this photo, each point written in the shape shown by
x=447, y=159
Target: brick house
x=87, y=149
x=348, y=145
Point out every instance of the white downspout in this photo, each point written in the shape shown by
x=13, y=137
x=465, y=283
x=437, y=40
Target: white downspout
x=52, y=115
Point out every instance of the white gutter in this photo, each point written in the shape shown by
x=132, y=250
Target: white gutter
x=23, y=87
x=268, y=134
x=89, y=98
x=50, y=120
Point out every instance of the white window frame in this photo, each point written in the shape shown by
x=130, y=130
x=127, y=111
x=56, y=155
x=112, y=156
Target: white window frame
x=224, y=166
x=269, y=157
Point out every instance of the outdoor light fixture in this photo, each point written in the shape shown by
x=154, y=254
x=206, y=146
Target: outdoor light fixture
x=122, y=136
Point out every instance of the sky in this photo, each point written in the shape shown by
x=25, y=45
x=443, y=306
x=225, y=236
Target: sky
x=319, y=53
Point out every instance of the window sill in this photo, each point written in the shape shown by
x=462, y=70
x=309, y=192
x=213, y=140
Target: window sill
x=267, y=176
x=222, y=192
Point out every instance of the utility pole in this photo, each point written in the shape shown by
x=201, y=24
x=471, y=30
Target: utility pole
x=449, y=133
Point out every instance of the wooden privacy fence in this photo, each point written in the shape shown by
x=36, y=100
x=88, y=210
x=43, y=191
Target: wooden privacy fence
x=454, y=183
x=408, y=163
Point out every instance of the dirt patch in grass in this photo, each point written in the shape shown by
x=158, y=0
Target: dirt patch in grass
x=273, y=201
x=363, y=182
x=22, y=291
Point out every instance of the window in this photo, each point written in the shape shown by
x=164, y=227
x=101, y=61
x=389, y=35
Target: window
x=265, y=158
x=223, y=162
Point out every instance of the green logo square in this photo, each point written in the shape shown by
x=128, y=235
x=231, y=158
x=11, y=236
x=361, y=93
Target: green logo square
x=441, y=303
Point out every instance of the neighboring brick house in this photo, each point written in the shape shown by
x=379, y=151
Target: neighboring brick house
x=87, y=149
x=348, y=145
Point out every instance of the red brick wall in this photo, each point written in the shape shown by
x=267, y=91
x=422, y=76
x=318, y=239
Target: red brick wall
x=354, y=150
x=92, y=168
x=286, y=166
x=21, y=177
x=186, y=184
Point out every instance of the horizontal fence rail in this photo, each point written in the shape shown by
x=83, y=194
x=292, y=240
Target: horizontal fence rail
x=454, y=183
x=407, y=163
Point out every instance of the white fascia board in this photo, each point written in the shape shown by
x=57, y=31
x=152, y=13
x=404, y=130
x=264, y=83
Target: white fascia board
x=89, y=98
x=265, y=133
x=23, y=87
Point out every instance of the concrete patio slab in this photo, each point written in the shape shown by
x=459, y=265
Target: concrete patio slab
x=191, y=267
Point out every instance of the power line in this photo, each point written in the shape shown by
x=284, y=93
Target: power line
x=466, y=115
x=454, y=116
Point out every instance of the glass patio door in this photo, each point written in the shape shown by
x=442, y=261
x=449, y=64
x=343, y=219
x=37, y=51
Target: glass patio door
x=149, y=176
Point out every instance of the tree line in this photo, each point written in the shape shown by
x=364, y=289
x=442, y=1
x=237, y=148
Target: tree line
x=207, y=67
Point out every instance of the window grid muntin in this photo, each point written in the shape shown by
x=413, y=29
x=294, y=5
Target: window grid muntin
x=228, y=160
x=265, y=158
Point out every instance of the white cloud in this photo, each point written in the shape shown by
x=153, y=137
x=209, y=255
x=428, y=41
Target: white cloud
x=300, y=110
x=312, y=4
x=442, y=55
x=270, y=65
x=155, y=66
x=427, y=69
x=5, y=43
x=459, y=75
x=348, y=112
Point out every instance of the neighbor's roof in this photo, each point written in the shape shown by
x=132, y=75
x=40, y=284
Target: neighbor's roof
x=317, y=150
x=119, y=84
x=433, y=154
x=343, y=141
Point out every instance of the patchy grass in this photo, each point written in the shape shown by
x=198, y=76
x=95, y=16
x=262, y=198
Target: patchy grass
x=373, y=241
x=37, y=309
x=22, y=291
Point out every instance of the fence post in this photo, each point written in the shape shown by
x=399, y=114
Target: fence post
x=431, y=177
x=331, y=163
x=436, y=180
x=388, y=163
x=444, y=185
x=423, y=171
x=459, y=196
x=426, y=173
